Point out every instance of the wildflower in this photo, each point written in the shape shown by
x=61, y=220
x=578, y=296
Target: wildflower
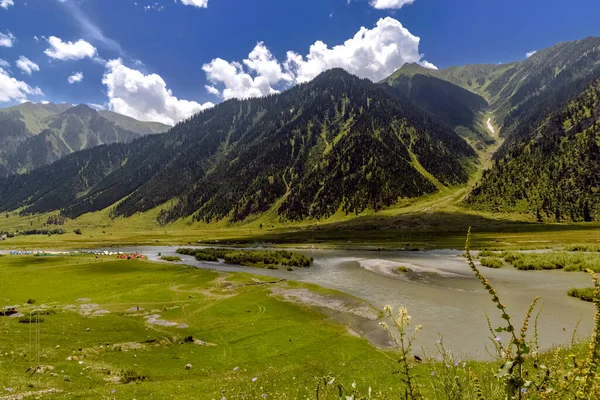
x=264, y=395
x=523, y=390
x=497, y=338
x=432, y=373
x=464, y=364
x=456, y=364
x=254, y=379
x=236, y=368
x=438, y=341
x=223, y=398
x=114, y=391
x=354, y=385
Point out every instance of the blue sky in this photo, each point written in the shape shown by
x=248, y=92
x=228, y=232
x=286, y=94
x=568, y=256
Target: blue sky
x=164, y=60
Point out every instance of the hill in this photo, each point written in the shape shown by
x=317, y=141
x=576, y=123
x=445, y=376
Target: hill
x=338, y=142
x=33, y=135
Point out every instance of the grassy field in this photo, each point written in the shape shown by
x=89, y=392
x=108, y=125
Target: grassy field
x=249, y=333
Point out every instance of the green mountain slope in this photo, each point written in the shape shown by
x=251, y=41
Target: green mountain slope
x=459, y=108
x=33, y=135
x=555, y=172
x=338, y=142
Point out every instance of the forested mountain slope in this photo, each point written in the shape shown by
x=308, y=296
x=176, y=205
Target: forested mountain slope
x=554, y=173
x=34, y=135
x=336, y=142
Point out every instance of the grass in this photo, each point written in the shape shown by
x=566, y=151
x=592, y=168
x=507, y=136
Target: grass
x=284, y=345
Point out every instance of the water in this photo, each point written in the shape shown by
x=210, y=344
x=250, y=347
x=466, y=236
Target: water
x=444, y=296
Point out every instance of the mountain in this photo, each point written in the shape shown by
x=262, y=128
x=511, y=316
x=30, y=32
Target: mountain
x=546, y=108
x=33, y=135
x=335, y=143
x=555, y=172
x=459, y=108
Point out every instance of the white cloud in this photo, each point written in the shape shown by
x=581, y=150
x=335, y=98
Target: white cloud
x=26, y=65
x=6, y=3
x=238, y=80
x=212, y=90
x=527, y=55
x=145, y=97
x=13, y=89
x=68, y=50
x=76, y=77
x=389, y=4
x=45, y=102
x=195, y=3
x=97, y=106
x=7, y=39
x=36, y=38
x=372, y=53
x=4, y=63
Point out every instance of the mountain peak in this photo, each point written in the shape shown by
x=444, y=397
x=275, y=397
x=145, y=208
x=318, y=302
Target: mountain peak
x=81, y=110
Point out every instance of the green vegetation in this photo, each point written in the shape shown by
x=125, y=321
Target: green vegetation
x=585, y=294
x=250, y=258
x=554, y=260
x=402, y=269
x=171, y=258
x=491, y=262
x=588, y=248
x=488, y=253
x=240, y=331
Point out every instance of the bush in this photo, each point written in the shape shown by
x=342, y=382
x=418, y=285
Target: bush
x=171, y=258
x=488, y=253
x=252, y=258
x=491, y=262
x=585, y=294
x=77, y=231
x=130, y=376
x=569, y=261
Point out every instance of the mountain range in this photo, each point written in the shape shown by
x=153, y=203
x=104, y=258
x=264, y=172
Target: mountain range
x=337, y=143
x=35, y=135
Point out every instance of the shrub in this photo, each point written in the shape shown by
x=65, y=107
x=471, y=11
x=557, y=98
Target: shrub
x=171, y=258
x=77, y=231
x=130, y=376
x=491, y=262
x=585, y=294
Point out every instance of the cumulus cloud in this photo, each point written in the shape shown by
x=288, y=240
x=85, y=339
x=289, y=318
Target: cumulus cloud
x=60, y=50
x=389, y=4
x=237, y=78
x=7, y=39
x=195, y=3
x=76, y=77
x=12, y=89
x=4, y=63
x=26, y=65
x=6, y=3
x=527, y=55
x=145, y=97
x=371, y=53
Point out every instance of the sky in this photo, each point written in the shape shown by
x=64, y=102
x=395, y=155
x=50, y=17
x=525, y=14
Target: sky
x=165, y=60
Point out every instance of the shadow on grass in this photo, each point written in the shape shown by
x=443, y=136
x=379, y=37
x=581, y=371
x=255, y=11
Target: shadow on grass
x=430, y=230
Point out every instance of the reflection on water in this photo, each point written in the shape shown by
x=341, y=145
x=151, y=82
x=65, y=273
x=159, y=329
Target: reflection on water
x=443, y=295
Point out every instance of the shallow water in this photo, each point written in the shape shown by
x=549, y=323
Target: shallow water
x=443, y=295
